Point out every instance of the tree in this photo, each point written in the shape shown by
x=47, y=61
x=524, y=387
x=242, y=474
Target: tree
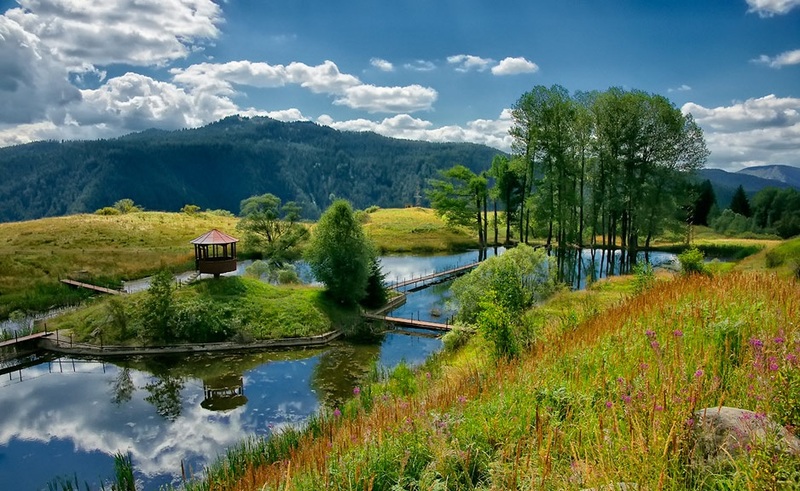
x=159, y=308
x=458, y=196
x=739, y=202
x=703, y=203
x=126, y=205
x=272, y=229
x=340, y=255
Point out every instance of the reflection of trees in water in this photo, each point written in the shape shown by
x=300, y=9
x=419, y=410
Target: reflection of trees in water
x=165, y=396
x=342, y=368
x=122, y=387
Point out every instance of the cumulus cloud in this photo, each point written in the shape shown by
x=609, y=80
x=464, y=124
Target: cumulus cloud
x=768, y=8
x=134, y=32
x=420, y=66
x=783, y=59
x=491, y=132
x=758, y=131
x=33, y=86
x=465, y=63
x=375, y=99
x=514, y=66
x=381, y=64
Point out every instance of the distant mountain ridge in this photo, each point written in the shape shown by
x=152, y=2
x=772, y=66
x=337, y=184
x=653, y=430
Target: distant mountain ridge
x=218, y=165
x=725, y=183
x=783, y=173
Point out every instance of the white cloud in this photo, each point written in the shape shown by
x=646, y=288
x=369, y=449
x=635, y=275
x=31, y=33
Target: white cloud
x=134, y=32
x=381, y=64
x=783, y=59
x=514, y=66
x=33, y=86
x=493, y=133
x=420, y=66
x=287, y=115
x=375, y=99
x=465, y=63
x=768, y=8
x=682, y=88
x=325, y=78
x=758, y=131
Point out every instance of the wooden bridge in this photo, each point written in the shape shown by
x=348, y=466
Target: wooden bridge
x=400, y=321
x=100, y=289
x=433, y=276
x=23, y=339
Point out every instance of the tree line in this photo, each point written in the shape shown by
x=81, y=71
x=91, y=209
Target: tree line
x=605, y=170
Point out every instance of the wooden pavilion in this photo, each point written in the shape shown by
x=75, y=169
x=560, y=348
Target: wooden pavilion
x=215, y=253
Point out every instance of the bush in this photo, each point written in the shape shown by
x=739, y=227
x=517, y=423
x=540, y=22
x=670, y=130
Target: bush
x=645, y=277
x=692, y=261
x=108, y=210
x=372, y=209
x=190, y=209
x=220, y=213
x=456, y=338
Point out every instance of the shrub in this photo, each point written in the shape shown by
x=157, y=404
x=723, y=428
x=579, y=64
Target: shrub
x=456, y=338
x=190, y=209
x=645, y=277
x=692, y=261
x=372, y=209
x=107, y=210
x=220, y=213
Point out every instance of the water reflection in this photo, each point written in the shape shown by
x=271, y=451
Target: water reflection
x=76, y=413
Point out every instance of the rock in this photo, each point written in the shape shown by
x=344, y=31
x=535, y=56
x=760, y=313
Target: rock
x=723, y=432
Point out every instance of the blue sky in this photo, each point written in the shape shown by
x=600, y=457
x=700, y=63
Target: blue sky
x=441, y=70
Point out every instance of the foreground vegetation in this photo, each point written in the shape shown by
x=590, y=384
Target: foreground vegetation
x=607, y=391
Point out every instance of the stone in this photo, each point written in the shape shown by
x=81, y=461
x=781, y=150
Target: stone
x=723, y=432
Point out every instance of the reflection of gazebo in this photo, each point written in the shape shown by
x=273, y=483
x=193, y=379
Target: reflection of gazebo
x=223, y=393
x=215, y=253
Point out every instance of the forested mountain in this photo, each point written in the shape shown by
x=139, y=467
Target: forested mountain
x=725, y=183
x=218, y=165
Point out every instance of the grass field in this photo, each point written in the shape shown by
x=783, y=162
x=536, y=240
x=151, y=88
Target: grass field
x=105, y=250
x=416, y=230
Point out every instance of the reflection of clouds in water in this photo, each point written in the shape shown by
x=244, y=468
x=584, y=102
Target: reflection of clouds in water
x=397, y=268
x=78, y=407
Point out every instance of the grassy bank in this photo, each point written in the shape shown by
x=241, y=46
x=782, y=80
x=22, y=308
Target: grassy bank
x=607, y=394
x=399, y=230
x=104, y=250
x=229, y=308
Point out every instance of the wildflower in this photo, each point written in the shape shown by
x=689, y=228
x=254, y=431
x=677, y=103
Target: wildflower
x=337, y=412
x=462, y=399
x=650, y=333
x=659, y=407
x=699, y=373
x=644, y=366
x=626, y=398
x=690, y=422
x=654, y=344
x=428, y=375
x=773, y=364
x=778, y=340
x=677, y=333
x=609, y=404
x=791, y=358
x=356, y=390
x=756, y=343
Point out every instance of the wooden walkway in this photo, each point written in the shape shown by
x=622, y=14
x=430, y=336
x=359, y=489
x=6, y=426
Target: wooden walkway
x=433, y=276
x=23, y=339
x=400, y=321
x=96, y=288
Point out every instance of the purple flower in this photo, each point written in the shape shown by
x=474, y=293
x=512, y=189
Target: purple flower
x=650, y=333
x=462, y=399
x=690, y=422
x=356, y=390
x=756, y=343
x=778, y=340
x=677, y=333
x=699, y=373
x=626, y=398
x=654, y=344
x=609, y=403
x=773, y=364
x=659, y=407
x=644, y=366
x=337, y=412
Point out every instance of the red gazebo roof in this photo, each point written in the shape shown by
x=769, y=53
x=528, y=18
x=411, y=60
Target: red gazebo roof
x=214, y=237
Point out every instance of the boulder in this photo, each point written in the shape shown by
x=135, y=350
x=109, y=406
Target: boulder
x=723, y=432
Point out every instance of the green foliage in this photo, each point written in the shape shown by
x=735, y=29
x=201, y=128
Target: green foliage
x=739, y=203
x=219, y=213
x=190, y=209
x=108, y=211
x=126, y=205
x=456, y=337
x=703, y=203
x=515, y=279
x=272, y=230
x=377, y=293
x=692, y=261
x=644, y=276
x=158, y=309
x=340, y=255
x=497, y=325
x=372, y=209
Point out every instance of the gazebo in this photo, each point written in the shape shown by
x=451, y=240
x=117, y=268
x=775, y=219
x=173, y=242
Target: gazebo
x=215, y=253
x=223, y=393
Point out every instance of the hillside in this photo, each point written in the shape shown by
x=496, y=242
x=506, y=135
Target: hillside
x=218, y=165
x=725, y=183
x=783, y=173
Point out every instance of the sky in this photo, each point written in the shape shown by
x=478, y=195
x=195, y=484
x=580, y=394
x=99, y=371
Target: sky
x=436, y=70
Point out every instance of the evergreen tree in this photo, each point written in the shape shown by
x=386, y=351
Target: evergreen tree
x=704, y=202
x=739, y=202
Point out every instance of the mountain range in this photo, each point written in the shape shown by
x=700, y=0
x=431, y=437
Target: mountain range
x=218, y=165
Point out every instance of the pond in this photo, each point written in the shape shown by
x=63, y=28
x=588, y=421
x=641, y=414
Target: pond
x=69, y=416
